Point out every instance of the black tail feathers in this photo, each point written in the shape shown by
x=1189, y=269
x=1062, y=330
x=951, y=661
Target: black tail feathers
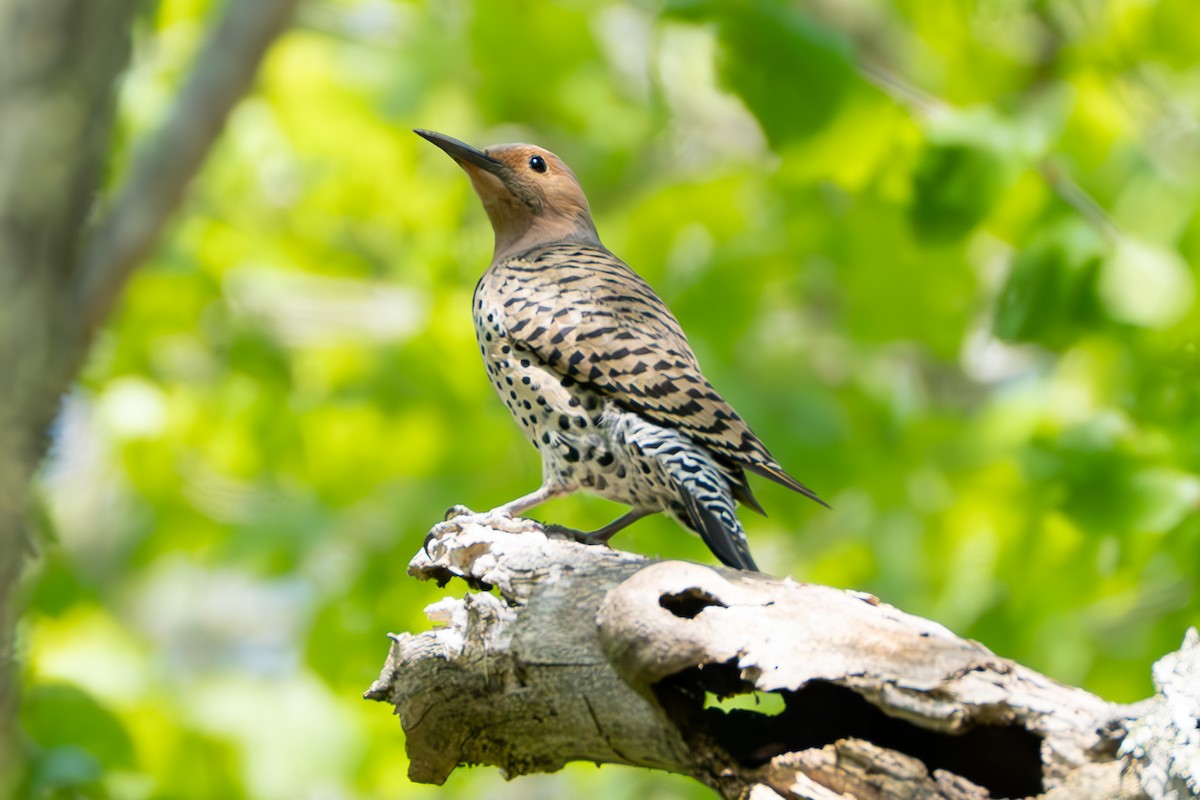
x=724, y=537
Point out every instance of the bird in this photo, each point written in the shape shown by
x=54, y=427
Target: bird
x=595, y=368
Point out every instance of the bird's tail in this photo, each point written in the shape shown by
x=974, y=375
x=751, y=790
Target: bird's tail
x=719, y=527
x=776, y=473
x=710, y=511
x=703, y=494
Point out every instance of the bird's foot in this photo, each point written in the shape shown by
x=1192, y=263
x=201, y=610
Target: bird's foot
x=575, y=535
x=502, y=521
x=452, y=521
x=459, y=516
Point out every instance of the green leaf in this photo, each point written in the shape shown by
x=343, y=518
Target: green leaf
x=955, y=186
x=64, y=716
x=792, y=74
x=1050, y=297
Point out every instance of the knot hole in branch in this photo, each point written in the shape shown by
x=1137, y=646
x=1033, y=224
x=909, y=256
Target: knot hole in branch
x=690, y=602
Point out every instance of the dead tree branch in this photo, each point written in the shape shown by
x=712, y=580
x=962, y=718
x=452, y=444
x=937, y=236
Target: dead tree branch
x=577, y=653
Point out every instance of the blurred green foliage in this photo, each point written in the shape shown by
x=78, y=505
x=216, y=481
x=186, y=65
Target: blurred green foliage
x=910, y=296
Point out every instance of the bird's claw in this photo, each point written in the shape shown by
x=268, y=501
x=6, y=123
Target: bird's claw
x=436, y=532
x=451, y=521
x=456, y=510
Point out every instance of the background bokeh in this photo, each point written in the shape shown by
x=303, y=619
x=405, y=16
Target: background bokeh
x=942, y=256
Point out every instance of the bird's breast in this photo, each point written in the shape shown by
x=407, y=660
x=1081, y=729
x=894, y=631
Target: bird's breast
x=580, y=435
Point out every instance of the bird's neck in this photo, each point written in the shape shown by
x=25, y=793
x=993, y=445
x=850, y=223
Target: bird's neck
x=519, y=230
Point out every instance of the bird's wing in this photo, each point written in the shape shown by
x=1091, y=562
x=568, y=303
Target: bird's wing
x=590, y=318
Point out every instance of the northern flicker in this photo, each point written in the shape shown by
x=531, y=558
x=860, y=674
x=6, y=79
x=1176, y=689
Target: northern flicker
x=595, y=368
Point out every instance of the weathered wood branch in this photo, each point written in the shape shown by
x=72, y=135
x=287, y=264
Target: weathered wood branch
x=578, y=653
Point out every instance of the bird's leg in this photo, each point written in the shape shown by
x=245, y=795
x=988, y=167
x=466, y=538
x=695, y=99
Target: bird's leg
x=545, y=492
x=600, y=535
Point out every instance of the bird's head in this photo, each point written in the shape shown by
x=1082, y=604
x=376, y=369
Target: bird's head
x=530, y=195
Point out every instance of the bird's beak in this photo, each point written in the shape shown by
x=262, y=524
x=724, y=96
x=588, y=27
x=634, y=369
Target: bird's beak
x=463, y=153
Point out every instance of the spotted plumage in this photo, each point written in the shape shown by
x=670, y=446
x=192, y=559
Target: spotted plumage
x=594, y=367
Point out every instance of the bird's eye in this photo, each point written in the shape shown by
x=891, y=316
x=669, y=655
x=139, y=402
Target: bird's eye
x=537, y=164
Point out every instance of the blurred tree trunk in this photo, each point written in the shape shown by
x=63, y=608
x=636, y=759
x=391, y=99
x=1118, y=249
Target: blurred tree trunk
x=63, y=264
x=59, y=63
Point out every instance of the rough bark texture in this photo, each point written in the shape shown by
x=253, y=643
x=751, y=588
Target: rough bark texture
x=60, y=61
x=578, y=653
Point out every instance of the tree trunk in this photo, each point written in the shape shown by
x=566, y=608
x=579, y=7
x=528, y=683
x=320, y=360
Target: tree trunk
x=59, y=275
x=59, y=61
x=581, y=653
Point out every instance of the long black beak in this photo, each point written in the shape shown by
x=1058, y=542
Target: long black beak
x=463, y=152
